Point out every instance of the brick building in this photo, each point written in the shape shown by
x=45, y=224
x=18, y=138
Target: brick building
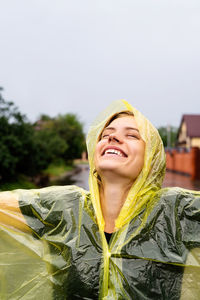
x=185, y=159
x=189, y=132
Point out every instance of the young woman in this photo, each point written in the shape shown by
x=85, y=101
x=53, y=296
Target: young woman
x=125, y=239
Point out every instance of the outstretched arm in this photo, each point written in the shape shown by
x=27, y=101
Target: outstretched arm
x=10, y=213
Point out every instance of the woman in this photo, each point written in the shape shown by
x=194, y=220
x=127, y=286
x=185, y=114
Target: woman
x=55, y=241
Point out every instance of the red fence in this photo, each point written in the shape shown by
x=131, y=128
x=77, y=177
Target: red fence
x=183, y=161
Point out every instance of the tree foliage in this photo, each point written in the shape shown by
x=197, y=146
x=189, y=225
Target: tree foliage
x=71, y=131
x=28, y=149
x=50, y=146
x=168, y=135
x=17, y=147
x=66, y=128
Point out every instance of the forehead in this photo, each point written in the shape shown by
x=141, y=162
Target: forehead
x=123, y=122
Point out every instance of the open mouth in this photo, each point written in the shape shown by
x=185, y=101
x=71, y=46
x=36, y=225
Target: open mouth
x=112, y=151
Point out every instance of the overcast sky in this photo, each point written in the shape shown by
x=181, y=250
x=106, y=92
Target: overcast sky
x=77, y=56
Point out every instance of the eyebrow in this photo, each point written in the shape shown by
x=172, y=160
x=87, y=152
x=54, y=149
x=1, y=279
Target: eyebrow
x=126, y=128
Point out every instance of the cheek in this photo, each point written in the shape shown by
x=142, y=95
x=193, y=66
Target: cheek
x=141, y=154
x=138, y=153
x=99, y=147
x=97, y=153
x=95, y=157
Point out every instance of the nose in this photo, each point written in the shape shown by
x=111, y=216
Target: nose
x=113, y=137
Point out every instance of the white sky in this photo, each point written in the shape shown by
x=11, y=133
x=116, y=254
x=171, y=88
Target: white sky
x=77, y=56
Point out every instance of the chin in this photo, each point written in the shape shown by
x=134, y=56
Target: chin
x=109, y=166
x=112, y=171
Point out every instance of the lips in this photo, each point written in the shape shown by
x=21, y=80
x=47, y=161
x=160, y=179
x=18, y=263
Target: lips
x=115, y=151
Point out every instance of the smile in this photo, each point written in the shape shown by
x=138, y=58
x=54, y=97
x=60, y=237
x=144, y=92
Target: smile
x=118, y=152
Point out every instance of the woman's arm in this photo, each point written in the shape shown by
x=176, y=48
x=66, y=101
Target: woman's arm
x=39, y=210
x=10, y=213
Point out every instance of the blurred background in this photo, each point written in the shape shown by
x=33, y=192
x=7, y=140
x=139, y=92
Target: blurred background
x=62, y=62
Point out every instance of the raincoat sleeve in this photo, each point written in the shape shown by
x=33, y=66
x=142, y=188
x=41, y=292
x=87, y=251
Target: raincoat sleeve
x=43, y=209
x=181, y=217
x=33, y=226
x=37, y=210
x=189, y=220
x=188, y=204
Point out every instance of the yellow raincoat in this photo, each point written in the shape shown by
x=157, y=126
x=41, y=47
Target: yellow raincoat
x=63, y=253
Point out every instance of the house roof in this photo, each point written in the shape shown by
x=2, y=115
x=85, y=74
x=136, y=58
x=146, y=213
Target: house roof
x=192, y=125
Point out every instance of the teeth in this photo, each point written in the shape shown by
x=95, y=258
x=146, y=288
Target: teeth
x=113, y=151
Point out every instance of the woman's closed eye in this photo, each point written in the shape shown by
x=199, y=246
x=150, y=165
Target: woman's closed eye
x=104, y=136
x=134, y=136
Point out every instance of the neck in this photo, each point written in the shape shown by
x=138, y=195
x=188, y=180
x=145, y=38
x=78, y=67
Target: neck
x=112, y=197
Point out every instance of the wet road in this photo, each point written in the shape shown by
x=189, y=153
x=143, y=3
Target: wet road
x=171, y=179
x=81, y=178
x=184, y=181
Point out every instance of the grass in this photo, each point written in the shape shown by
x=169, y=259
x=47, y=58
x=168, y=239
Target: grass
x=81, y=162
x=57, y=169
x=21, y=183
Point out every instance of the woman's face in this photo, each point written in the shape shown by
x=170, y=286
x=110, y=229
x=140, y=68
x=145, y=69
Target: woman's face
x=120, y=149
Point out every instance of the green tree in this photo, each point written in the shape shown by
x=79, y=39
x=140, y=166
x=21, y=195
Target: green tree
x=28, y=149
x=168, y=135
x=70, y=129
x=23, y=150
x=16, y=142
x=50, y=146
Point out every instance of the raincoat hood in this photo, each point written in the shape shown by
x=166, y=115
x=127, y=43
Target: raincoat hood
x=150, y=179
x=53, y=246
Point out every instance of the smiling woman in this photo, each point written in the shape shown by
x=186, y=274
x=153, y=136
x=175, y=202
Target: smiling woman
x=119, y=158
x=58, y=233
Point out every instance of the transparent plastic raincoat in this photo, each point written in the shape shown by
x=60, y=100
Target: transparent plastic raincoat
x=62, y=252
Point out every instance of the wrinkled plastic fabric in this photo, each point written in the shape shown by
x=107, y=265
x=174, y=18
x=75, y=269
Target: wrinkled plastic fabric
x=153, y=254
